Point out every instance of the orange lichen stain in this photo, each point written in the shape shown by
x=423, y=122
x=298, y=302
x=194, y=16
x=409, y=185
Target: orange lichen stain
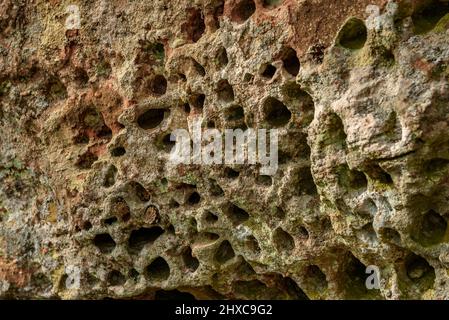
x=109, y=103
x=423, y=65
x=10, y=272
x=81, y=176
x=98, y=149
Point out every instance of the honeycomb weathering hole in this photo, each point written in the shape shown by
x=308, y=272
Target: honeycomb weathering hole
x=80, y=76
x=234, y=113
x=189, y=260
x=143, y=236
x=231, y=173
x=116, y=278
x=276, y=113
x=92, y=120
x=352, y=179
x=133, y=274
x=356, y=275
x=198, y=101
x=375, y=172
x=215, y=189
x=217, y=13
x=224, y=252
x=245, y=268
x=357, y=180
x=293, y=290
x=243, y=10
x=431, y=229
x=302, y=233
x=151, y=118
x=139, y=191
x=306, y=184
x=186, y=108
x=264, y=180
x=167, y=143
x=390, y=235
x=173, y=295
x=87, y=225
x=118, y=152
x=194, y=198
x=353, y=35
x=56, y=89
x=222, y=58
x=191, y=68
x=252, y=245
x=199, y=69
x=368, y=208
x=236, y=214
x=420, y=272
x=290, y=61
x=110, y=221
x=268, y=71
x=86, y=160
x=336, y=131
x=210, y=217
x=194, y=27
x=316, y=278
x=283, y=241
x=224, y=91
x=303, y=100
x=427, y=17
x=104, y=243
x=158, y=270
x=279, y=213
x=158, y=85
x=270, y=4
x=368, y=234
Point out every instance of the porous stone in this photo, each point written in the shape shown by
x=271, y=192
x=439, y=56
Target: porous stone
x=91, y=207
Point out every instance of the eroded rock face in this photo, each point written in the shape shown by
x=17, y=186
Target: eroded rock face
x=91, y=207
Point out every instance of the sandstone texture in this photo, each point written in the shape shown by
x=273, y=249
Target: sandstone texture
x=91, y=208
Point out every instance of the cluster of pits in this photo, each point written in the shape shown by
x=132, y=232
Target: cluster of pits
x=228, y=231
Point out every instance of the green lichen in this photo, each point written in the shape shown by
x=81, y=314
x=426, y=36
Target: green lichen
x=353, y=35
x=440, y=71
x=103, y=69
x=162, y=185
x=56, y=89
x=3, y=214
x=156, y=50
x=4, y=87
x=191, y=178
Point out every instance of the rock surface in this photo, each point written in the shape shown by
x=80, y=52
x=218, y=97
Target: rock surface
x=90, y=206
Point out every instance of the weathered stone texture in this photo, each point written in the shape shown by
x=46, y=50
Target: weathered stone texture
x=358, y=89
